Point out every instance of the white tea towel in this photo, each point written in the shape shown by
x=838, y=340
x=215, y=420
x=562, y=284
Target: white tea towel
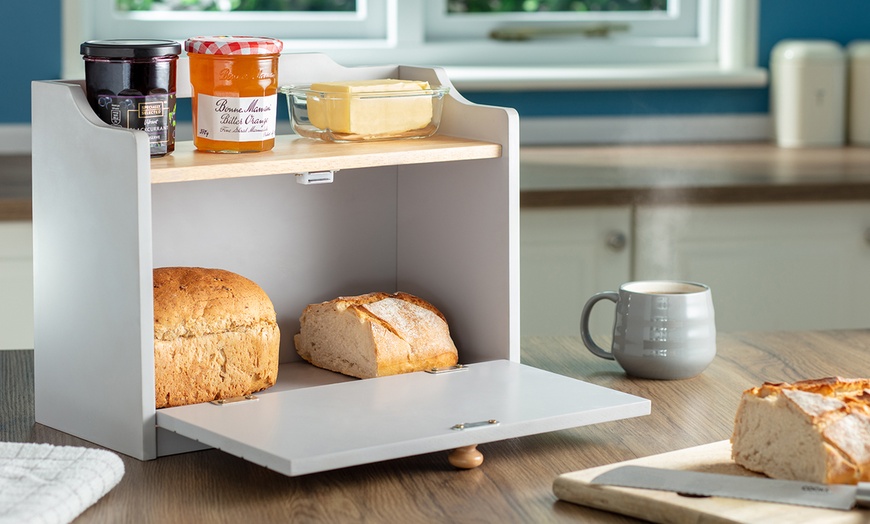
x=41, y=483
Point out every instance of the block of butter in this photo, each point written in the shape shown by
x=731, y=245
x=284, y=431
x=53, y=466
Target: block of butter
x=370, y=107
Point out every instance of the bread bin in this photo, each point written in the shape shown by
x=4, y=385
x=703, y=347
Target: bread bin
x=380, y=225
x=808, y=93
x=859, y=92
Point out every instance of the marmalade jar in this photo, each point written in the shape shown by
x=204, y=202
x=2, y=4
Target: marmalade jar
x=131, y=84
x=234, y=82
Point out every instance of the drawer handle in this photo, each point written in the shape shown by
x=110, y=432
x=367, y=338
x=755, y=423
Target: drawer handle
x=470, y=425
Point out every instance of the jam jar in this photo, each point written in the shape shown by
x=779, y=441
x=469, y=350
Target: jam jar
x=131, y=84
x=234, y=82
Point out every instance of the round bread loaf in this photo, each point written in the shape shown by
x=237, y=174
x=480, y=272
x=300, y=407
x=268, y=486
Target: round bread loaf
x=813, y=430
x=374, y=335
x=215, y=336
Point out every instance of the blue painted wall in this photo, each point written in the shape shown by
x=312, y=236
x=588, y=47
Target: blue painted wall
x=845, y=20
x=32, y=27
x=31, y=33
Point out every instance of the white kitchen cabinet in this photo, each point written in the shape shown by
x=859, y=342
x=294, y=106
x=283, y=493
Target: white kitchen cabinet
x=567, y=255
x=16, y=285
x=770, y=267
x=437, y=217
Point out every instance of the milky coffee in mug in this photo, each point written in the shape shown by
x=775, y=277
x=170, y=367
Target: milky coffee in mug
x=663, y=329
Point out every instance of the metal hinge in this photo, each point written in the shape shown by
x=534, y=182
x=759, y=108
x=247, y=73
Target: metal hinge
x=451, y=369
x=233, y=400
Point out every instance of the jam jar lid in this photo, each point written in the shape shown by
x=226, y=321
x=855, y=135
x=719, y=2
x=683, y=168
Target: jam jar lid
x=233, y=45
x=130, y=48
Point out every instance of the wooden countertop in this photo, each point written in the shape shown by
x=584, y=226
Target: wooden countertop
x=698, y=174
x=15, y=202
x=514, y=484
x=632, y=175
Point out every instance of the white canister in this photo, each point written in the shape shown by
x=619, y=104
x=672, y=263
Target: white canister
x=808, y=93
x=859, y=92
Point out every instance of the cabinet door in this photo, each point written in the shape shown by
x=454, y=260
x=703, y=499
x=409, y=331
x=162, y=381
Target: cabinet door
x=770, y=267
x=566, y=256
x=16, y=285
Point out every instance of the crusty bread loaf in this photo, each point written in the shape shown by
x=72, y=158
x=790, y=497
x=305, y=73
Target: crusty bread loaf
x=375, y=335
x=813, y=430
x=215, y=336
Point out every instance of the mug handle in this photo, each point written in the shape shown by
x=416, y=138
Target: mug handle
x=584, y=324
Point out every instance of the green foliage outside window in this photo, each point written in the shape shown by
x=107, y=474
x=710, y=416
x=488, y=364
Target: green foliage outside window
x=533, y=6
x=453, y=6
x=236, y=5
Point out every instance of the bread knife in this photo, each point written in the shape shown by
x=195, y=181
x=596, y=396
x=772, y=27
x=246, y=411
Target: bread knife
x=695, y=484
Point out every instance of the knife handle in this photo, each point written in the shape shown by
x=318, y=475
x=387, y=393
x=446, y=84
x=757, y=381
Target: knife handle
x=862, y=494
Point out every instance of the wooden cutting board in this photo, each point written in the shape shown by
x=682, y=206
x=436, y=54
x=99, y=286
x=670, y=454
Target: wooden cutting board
x=666, y=507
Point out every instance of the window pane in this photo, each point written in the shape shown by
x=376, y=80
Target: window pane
x=236, y=5
x=304, y=22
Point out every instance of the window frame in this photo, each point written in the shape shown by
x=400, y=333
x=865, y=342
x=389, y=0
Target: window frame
x=725, y=44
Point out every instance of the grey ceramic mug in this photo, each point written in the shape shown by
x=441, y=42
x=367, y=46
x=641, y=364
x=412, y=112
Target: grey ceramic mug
x=663, y=329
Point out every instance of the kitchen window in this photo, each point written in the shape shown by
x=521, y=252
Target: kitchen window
x=706, y=36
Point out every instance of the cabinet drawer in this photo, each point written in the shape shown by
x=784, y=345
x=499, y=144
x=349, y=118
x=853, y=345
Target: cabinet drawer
x=566, y=256
x=16, y=285
x=771, y=267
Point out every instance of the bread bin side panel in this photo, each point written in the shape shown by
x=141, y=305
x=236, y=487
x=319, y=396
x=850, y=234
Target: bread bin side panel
x=93, y=349
x=458, y=229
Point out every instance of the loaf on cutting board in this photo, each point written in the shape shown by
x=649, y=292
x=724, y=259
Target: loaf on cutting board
x=813, y=430
x=375, y=335
x=215, y=336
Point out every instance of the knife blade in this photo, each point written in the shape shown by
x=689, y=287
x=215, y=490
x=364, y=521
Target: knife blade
x=695, y=483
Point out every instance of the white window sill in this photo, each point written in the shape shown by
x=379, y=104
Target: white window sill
x=491, y=78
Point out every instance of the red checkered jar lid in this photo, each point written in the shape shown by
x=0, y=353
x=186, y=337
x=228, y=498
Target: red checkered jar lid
x=233, y=45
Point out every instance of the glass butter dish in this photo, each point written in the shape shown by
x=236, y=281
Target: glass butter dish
x=355, y=116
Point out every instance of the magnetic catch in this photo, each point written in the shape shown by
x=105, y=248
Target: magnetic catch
x=315, y=177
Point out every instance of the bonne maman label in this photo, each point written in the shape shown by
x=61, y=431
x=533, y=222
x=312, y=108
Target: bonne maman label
x=236, y=119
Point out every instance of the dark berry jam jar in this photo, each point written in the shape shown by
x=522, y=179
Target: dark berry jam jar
x=131, y=84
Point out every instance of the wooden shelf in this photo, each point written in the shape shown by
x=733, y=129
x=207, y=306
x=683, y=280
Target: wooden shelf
x=294, y=154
